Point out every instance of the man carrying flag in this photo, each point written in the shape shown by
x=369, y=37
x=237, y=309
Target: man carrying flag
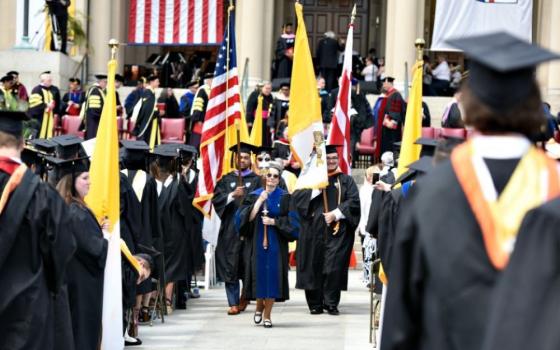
x=326, y=200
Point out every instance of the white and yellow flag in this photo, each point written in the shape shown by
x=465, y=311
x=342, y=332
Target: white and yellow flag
x=103, y=200
x=305, y=129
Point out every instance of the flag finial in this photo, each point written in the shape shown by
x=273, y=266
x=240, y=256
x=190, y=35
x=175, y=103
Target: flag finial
x=114, y=45
x=419, y=44
x=353, y=14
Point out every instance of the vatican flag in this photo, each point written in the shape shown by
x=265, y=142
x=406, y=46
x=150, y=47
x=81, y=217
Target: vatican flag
x=103, y=200
x=305, y=125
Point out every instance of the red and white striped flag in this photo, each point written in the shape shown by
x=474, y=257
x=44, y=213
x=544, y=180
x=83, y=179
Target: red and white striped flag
x=216, y=124
x=339, y=133
x=175, y=22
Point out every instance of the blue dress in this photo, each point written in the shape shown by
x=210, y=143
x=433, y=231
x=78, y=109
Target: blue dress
x=266, y=273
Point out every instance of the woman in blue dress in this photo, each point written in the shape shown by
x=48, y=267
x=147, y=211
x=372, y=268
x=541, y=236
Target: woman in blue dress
x=267, y=226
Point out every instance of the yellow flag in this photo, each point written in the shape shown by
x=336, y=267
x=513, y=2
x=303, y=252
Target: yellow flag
x=256, y=133
x=410, y=152
x=305, y=125
x=103, y=200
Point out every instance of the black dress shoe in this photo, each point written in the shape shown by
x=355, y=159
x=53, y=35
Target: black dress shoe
x=332, y=310
x=316, y=311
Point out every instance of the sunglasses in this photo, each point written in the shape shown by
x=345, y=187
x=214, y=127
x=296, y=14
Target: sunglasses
x=272, y=176
x=263, y=159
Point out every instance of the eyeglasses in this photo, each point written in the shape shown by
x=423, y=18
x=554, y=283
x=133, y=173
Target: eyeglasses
x=263, y=159
x=272, y=176
x=332, y=159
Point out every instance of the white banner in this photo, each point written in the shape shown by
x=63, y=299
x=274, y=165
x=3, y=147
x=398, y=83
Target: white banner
x=465, y=18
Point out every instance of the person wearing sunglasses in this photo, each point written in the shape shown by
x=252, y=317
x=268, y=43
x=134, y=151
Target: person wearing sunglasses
x=263, y=219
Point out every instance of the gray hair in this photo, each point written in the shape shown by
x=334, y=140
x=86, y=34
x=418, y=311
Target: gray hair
x=330, y=34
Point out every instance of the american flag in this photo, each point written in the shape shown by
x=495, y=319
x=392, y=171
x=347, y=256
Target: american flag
x=216, y=123
x=175, y=22
x=339, y=133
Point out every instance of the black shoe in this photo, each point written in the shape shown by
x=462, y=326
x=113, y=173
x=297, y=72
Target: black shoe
x=332, y=310
x=130, y=341
x=316, y=311
x=267, y=324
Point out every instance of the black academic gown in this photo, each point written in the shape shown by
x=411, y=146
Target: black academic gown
x=252, y=103
x=146, y=115
x=441, y=281
x=94, y=106
x=35, y=249
x=85, y=277
x=175, y=215
x=266, y=270
x=195, y=247
x=322, y=258
x=279, y=108
x=525, y=309
x=395, y=110
x=283, y=63
x=229, y=250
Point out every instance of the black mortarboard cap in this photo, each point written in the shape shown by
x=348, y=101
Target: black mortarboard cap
x=11, y=122
x=502, y=67
x=133, y=154
x=135, y=145
x=185, y=149
x=165, y=152
x=46, y=72
x=388, y=78
x=100, y=76
x=67, y=146
x=6, y=78
x=208, y=76
x=428, y=146
x=332, y=148
x=244, y=148
x=191, y=83
x=119, y=78
x=65, y=167
x=422, y=165
x=263, y=149
x=13, y=72
x=284, y=84
x=43, y=145
x=152, y=78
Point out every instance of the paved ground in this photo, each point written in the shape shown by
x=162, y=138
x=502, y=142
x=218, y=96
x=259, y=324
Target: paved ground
x=205, y=324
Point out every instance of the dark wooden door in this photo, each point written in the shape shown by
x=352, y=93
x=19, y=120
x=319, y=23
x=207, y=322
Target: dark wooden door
x=324, y=15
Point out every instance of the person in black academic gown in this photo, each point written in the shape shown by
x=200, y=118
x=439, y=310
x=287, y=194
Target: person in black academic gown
x=524, y=315
x=228, y=194
x=86, y=269
x=35, y=252
x=264, y=220
x=449, y=250
x=326, y=237
x=172, y=206
x=149, y=115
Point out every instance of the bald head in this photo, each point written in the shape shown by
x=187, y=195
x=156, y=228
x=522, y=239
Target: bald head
x=46, y=79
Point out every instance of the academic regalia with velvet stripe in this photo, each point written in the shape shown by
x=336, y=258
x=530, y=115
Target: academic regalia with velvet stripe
x=266, y=270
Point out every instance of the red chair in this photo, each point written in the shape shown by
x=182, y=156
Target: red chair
x=172, y=130
x=428, y=132
x=456, y=133
x=366, y=147
x=437, y=133
x=71, y=125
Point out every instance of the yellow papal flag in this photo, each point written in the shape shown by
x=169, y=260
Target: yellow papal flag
x=103, y=200
x=256, y=137
x=410, y=152
x=305, y=125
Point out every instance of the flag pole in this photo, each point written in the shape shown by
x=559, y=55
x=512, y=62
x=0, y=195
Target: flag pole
x=230, y=8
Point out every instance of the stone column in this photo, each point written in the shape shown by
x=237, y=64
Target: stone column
x=254, y=27
x=99, y=35
x=405, y=23
x=7, y=14
x=548, y=27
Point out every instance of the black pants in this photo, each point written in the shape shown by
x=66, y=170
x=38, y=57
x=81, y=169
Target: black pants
x=316, y=298
x=62, y=21
x=330, y=76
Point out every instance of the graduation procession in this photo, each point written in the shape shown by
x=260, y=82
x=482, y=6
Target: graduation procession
x=252, y=187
